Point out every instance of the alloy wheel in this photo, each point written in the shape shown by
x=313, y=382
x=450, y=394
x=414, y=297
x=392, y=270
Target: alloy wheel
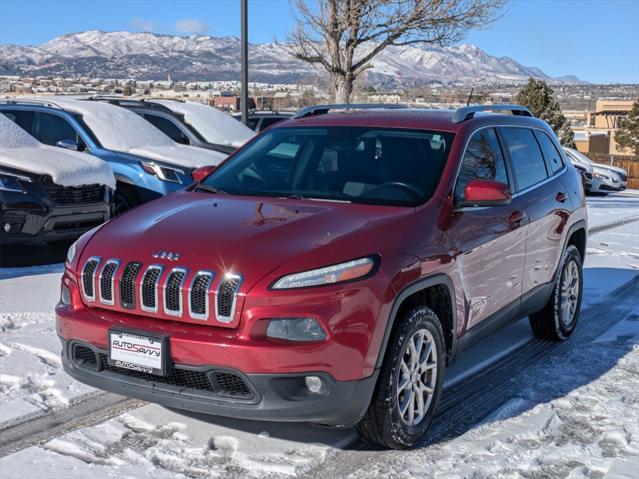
x=417, y=377
x=569, y=293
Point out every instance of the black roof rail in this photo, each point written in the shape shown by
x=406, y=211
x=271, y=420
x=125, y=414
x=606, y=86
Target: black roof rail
x=324, y=109
x=31, y=101
x=127, y=101
x=468, y=112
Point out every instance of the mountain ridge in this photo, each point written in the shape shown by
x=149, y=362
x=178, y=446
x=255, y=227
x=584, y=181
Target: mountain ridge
x=152, y=56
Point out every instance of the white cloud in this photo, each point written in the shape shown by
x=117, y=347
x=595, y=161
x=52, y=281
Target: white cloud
x=191, y=26
x=144, y=25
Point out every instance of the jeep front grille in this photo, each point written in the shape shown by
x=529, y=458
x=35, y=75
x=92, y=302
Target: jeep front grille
x=177, y=292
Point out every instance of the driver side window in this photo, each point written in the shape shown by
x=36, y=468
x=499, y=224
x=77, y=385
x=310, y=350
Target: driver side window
x=50, y=128
x=483, y=160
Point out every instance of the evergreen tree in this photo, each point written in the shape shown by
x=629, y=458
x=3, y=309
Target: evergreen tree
x=539, y=98
x=628, y=134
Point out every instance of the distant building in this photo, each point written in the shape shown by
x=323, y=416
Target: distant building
x=598, y=135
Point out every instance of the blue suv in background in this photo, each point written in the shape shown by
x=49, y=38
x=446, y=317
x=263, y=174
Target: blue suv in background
x=146, y=163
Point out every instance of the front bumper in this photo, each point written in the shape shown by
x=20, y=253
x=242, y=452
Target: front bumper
x=270, y=397
x=55, y=224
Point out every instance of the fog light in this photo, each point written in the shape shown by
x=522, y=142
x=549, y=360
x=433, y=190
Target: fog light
x=295, y=329
x=65, y=295
x=314, y=384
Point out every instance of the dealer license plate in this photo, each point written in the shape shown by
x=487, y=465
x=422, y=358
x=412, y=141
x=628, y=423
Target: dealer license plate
x=138, y=352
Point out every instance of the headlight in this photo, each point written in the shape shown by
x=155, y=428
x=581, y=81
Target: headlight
x=601, y=175
x=12, y=182
x=71, y=252
x=165, y=173
x=338, y=273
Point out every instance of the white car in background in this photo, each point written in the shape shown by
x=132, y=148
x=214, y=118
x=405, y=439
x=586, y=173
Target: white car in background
x=605, y=179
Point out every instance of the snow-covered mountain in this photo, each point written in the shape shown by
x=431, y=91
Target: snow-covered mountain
x=199, y=57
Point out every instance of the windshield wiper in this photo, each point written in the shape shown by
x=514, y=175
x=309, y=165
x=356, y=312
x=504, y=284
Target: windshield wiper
x=295, y=196
x=210, y=189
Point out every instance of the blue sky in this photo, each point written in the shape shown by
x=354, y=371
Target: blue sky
x=597, y=40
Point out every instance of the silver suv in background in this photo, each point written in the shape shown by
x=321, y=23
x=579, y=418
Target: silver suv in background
x=605, y=179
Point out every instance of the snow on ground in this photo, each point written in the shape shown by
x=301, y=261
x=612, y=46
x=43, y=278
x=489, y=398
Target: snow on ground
x=590, y=431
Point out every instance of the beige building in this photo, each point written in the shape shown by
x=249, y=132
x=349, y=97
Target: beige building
x=598, y=135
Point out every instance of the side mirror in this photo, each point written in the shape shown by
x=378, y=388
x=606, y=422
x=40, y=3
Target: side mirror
x=486, y=193
x=202, y=172
x=183, y=140
x=68, y=144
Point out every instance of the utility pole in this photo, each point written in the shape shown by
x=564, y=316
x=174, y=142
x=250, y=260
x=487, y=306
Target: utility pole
x=244, y=75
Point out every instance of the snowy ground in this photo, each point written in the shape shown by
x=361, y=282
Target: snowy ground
x=567, y=412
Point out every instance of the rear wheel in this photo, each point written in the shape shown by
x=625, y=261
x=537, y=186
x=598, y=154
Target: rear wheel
x=559, y=317
x=410, y=383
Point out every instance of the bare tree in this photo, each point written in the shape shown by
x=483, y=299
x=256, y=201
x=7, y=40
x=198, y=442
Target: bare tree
x=343, y=36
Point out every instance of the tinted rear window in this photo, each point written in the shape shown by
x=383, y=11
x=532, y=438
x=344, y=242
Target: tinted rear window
x=553, y=158
x=528, y=163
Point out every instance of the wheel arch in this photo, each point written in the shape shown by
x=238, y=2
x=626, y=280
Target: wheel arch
x=436, y=292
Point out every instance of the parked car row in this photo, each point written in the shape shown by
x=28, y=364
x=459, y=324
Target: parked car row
x=597, y=179
x=136, y=144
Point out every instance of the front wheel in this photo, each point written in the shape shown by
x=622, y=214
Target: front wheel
x=559, y=317
x=410, y=382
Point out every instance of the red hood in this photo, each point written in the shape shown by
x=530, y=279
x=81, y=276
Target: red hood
x=246, y=235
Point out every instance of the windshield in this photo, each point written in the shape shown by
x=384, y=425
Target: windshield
x=356, y=164
x=580, y=157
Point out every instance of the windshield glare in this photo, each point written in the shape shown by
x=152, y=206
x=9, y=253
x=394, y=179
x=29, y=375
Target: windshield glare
x=364, y=165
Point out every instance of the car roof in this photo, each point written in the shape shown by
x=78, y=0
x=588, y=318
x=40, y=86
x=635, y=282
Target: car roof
x=409, y=118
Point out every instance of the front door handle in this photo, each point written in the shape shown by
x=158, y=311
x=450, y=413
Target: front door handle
x=561, y=197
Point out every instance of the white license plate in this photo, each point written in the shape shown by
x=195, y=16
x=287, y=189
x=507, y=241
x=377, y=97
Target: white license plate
x=136, y=352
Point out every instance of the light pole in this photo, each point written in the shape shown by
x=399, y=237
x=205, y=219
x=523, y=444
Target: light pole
x=244, y=75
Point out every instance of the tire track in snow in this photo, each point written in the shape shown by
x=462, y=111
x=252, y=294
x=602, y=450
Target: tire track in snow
x=92, y=409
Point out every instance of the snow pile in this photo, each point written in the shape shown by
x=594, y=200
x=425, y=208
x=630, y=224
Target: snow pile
x=122, y=130
x=214, y=125
x=21, y=151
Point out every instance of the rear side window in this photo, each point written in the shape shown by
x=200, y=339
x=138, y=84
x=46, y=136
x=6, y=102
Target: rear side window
x=23, y=118
x=553, y=158
x=483, y=160
x=528, y=163
x=52, y=128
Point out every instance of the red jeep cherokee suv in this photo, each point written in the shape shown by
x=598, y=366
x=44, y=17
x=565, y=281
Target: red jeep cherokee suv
x=332, y=268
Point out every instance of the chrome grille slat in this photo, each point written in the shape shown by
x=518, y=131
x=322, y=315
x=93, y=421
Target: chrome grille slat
x=127, y=284
x=226, y=297
x=173, y=291
x=145, y=293
x=88, y=277
x=107, y=283
x=198, y=294
x=149, y=288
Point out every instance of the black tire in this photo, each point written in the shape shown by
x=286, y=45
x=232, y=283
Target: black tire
x=124, y=198
x=383, y=423
x=551, y=322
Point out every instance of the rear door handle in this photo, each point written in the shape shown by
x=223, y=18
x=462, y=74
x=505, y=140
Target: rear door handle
x=561, y=197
